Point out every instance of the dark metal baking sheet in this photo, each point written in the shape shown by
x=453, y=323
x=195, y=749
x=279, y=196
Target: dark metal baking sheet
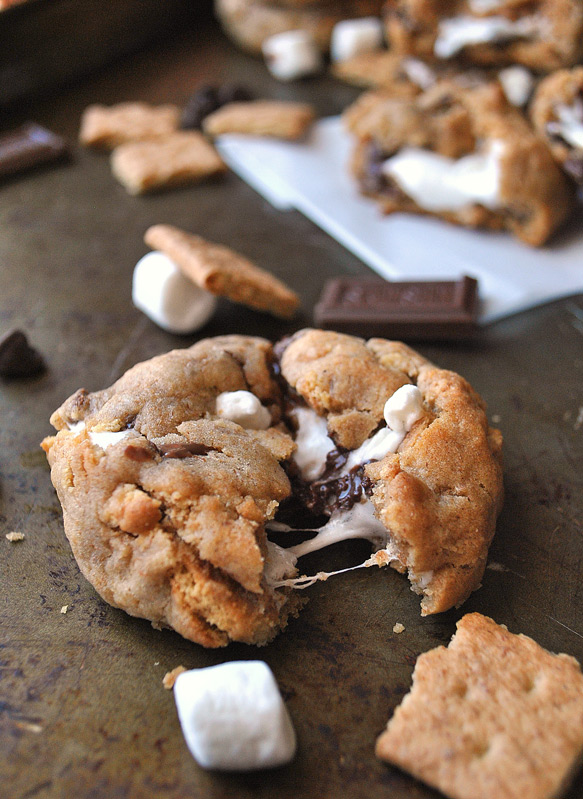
x=83, y=710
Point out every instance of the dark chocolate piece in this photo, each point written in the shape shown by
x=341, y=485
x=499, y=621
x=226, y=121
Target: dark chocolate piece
x=207, y=99
x=17, y=357
x=185, y=450
x=414, y=310
x=29, y=146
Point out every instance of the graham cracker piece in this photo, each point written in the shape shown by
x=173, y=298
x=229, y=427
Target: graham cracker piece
x=282, y=120
x=177, y=159
x=491, y=715
x=108, y=126
x=222, y=271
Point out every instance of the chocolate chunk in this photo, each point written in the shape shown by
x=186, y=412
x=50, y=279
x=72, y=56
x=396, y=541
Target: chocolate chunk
x=17, y=357
x=29, y=146
x=185, y=450
x=203, y=102
x=414, y=310
x=233, y=93
x=138, y=454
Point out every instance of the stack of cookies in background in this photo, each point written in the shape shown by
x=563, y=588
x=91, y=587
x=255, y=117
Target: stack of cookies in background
x=251, y=22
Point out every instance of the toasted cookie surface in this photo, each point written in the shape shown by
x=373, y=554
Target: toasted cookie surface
x=491, y=715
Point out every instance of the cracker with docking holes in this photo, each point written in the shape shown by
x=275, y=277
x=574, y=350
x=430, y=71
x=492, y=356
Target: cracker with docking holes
x=106, y=127
x=462, y=152
x=491, y=715
x=540, y=34
x=277, y=118
x=178, y=159
x=223, y=271
x=557, y=114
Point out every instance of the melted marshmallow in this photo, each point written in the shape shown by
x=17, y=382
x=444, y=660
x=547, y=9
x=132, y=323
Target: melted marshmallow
x=244, y=408
x=437, y=183
x=569, y=124
x=455, y=33
x=105, y=440
x=517, y=83
x=312, y=443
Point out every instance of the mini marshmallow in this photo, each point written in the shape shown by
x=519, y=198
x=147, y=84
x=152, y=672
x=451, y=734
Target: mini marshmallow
x=233, y=717
x=167, y=297
x=404, y=408
x=353, y=36
x=244, y=408
x=292, y=54
x=517, y=83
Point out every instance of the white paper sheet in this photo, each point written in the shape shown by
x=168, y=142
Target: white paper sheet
x=313, y=177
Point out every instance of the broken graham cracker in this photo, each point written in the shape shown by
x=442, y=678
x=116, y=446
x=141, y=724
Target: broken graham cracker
x=492, y=715
x=177, y=159
x=282, y=120
x=222, y=271
x=107, y=127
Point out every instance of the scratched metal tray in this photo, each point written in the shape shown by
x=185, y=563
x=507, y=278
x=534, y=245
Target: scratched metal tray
x=83, y=712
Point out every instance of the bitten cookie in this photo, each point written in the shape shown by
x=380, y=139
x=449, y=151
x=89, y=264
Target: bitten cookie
x=543, y=35
x=491, y=715
x=165, y=499
x=459, y=151
x=557, y=114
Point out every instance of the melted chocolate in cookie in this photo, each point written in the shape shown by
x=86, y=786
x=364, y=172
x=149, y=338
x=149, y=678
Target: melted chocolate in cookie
x=185, y=450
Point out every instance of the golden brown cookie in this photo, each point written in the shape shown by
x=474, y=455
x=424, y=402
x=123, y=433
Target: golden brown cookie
x=516, y=185
x=108, y=126
x=279, y=119
x=543, y=35
x=491, y=715
x=176, y=159
x=557, y=114
x=222, y=271
x=165, y=502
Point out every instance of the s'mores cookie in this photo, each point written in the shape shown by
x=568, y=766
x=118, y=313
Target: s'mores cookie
x=106, y=127
x=166, y=489
x=461, y=152
x=395, y=450
x=543, y=35
x=250, y=22
x=170, y=479
x=557, y=114
x=491, y=715
x=177, y=159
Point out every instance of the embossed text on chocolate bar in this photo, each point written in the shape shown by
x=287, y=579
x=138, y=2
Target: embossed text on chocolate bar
x=409, y=309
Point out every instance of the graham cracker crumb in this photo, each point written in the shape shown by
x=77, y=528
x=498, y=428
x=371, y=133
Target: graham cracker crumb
x=398, y=628
x=170, y=677
x=14, y=536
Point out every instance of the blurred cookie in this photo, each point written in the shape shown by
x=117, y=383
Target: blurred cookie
x=543, y=35
x=250, y=22
x=491, y=715
x=557, y=114
x=459, y=151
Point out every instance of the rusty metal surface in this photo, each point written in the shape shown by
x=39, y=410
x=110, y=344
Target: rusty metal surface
x=83, y=712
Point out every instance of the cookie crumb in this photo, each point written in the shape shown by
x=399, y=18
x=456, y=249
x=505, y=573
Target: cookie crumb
x=170, y=677
x=398, y=628
x=496, y=418
x=64, y=609
x=13, y=537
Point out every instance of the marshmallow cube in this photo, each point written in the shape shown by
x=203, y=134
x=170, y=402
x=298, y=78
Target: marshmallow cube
x=167, y=297
x=404, y=408
x=353, y=36
x=518, y=84
x=233, y=717
x=292, y=54
x=244, y=408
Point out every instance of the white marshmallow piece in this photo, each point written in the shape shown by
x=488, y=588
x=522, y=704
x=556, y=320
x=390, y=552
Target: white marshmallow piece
x=292, y=54
x=518, y=83
x=233, y=717
x=244, y=408
x=167, y=297
x=351, y=37
x=404, y=408
x=312, y=443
